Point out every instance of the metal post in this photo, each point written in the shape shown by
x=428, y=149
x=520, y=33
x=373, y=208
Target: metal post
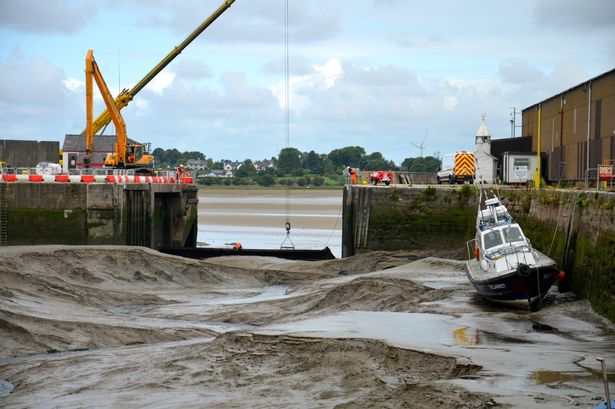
x=586, y=179
x=589, y=112
x=512, y=123
x=605, y=379
x=537, y=175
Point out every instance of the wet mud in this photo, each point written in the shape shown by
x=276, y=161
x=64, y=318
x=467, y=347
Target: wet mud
x=131, y=327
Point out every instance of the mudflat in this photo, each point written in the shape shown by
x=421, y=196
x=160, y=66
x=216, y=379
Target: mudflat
x=104, y=326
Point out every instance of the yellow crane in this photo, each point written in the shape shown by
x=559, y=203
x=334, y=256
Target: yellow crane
x=125, y=96
x=127, y=155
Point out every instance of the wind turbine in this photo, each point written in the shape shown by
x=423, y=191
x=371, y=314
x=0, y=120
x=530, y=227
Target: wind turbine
x=422, y=145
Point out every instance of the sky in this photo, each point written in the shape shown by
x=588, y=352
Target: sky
x=386, y=75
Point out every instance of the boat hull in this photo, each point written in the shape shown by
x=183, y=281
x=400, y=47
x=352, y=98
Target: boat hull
x=514, y=288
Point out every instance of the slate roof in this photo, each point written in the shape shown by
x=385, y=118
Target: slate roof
x=102, y=143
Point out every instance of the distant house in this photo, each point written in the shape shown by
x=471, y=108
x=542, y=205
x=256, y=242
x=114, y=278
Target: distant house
x=196, y=164
x=232, y=165
x=220, y=173
x=263, y=164
x=73, y=150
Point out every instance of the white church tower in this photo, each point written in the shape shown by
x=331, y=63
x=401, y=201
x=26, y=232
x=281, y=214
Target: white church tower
x=486, y=164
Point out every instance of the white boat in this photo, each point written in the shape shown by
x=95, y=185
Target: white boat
x=504, y=267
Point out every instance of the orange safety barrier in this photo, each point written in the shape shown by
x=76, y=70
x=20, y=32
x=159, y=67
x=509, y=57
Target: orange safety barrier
x=63, y=178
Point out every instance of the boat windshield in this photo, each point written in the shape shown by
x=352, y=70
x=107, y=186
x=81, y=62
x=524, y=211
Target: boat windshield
x=512, y=234
x=492, y=239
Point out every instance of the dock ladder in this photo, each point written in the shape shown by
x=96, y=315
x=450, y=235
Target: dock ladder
x=3, y=216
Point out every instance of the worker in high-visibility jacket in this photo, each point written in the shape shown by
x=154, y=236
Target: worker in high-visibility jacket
x=353, y=175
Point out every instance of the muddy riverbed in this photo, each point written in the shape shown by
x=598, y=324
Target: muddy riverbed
x=257, y=217
x=130, y=327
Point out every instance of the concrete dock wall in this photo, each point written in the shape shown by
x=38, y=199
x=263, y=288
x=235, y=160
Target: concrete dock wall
x=151, y=215
x=575, y=228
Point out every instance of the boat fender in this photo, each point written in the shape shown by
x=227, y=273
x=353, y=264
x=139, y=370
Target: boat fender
x=561, y=276
x=476, y=254
x=524, y=270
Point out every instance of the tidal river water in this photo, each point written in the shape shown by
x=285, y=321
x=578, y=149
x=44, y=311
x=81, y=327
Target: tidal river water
x=257, y=218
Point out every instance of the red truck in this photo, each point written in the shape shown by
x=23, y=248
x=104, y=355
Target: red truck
x=381, y=176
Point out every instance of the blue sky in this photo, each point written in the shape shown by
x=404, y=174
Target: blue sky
x=382, y=74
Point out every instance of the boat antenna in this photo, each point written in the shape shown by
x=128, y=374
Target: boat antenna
x=287, y=243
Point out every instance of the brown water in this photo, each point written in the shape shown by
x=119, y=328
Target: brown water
x=257, y=218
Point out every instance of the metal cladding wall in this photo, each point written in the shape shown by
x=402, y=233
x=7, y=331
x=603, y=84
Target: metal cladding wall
x=26, y=154
x=578, y=119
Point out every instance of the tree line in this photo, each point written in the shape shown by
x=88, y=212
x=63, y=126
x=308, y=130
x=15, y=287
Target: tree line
x=292, y=161
x=293, y=167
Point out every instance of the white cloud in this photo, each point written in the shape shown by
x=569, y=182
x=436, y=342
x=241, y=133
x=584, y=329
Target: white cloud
x=450, y=102
x=74, y=85
x=161, y=82
x=141, y=105
x=330, y=72
x=300, y=86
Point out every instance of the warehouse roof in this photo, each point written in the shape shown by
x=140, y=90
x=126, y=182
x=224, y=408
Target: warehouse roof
x=604, y=74
x=102, y=143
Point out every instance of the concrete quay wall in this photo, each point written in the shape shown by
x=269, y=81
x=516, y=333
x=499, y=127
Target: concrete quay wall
x=575, y=228
x=150, y=215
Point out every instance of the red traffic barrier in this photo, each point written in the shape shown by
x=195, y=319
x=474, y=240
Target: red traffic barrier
x=35, y=178
x=87, y=178
x=62, y=178
x=9, y=178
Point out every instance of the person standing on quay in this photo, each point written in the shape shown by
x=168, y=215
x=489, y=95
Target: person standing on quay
x=353, y=175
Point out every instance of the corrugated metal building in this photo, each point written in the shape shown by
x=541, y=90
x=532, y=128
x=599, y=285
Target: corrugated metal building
x=577, y=128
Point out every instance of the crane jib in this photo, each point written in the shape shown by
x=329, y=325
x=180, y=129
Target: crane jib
x=126, y=96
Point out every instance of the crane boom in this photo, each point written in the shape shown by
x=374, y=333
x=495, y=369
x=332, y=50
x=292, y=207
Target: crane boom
x=126, y=96
x=92, y=71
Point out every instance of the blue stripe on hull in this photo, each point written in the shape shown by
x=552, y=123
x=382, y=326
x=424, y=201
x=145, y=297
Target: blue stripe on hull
x=515, y=289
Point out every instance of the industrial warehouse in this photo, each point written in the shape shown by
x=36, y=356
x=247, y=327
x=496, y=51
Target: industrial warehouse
x=576, y=130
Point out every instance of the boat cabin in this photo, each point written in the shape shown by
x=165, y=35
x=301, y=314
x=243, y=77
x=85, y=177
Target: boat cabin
x=497, y=238
x=493, y=214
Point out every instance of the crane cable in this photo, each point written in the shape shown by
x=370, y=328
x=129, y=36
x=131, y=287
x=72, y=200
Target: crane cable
x=287, y=243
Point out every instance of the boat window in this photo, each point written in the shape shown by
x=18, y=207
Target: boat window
x=492, y=239
x=512, y=234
